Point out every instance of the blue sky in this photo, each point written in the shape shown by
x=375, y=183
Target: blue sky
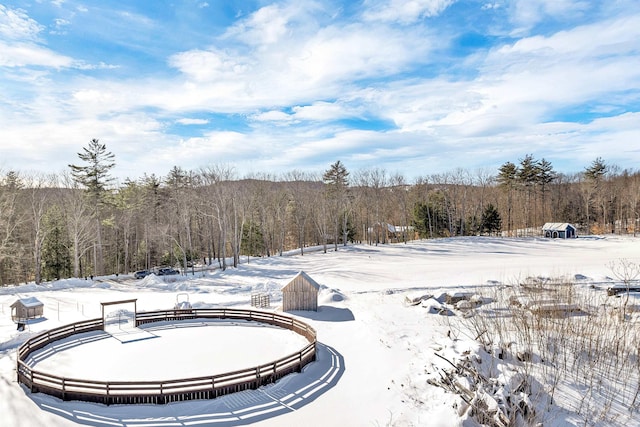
x=416, y=87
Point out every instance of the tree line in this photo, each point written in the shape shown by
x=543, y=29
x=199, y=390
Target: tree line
x=79, y=223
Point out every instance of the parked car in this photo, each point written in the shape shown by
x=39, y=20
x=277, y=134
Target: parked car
x=167, y=271
x=141, y=274
x=621, y=289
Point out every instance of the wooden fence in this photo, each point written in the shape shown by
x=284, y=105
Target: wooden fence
x=260, y=300
x=161, y=392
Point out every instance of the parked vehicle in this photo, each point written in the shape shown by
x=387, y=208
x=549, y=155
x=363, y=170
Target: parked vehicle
x=141, y=274
x=167, y=271
x=622, y=288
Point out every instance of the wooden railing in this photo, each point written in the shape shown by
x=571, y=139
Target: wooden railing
x=160, y=392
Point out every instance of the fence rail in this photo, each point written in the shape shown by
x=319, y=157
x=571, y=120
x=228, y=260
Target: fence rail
x=161, y=392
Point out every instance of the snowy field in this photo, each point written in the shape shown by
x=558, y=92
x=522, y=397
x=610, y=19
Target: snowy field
x=378, y=352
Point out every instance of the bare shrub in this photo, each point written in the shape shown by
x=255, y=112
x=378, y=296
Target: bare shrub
x=552, y=333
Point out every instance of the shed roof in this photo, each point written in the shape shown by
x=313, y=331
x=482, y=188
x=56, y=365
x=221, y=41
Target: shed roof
x=557, y=226
x=28, y=302
x=306, y=278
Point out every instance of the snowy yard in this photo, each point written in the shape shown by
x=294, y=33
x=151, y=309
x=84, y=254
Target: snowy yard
x=384, y=346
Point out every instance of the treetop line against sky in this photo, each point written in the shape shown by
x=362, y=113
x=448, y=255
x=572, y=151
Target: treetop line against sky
x=417, y=87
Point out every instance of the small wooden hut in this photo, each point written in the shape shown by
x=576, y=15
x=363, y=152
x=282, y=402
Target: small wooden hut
x=25, y=309
x=301, y=293
x=559, y=230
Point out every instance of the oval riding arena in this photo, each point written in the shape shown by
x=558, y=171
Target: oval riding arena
x=204, y=365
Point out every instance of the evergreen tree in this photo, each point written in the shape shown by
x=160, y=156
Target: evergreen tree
x=94, y=176
x=594, y=177
x=430, y=219
x=12, y=181
x=337, y=184
x=55, y=251
x=491, y=221
x=527, y=177
x=252, y=240
x=596, y=171
x=507, y=179
x=545, y=175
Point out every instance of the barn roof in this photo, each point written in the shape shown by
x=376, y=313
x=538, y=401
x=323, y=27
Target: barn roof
x=28, y=302
x=557, y=226
x=301, y=274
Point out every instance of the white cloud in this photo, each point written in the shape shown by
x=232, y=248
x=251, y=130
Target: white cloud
x=405, y=11
x=29, y=54
x=272, y=116
x=94, y=96
x=299, y=69
x=521, y=84
x=321, y=111
x=211, y=65
x=81, y=65
x=489, y=6
x=293, y=78
x=615, y=36
x=567, y=68
x=356, y=51
x=138, y=20
x=187, y=121
x=266, y=26
x=15, y=24
x=59, y=26
x=317, y=112
x=527, y=13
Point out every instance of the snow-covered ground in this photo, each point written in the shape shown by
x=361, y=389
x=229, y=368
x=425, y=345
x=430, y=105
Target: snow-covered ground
x=378, y=354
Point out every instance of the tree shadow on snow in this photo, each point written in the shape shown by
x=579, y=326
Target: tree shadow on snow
x=289, y=394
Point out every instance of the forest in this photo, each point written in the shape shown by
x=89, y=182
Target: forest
x=81, y=223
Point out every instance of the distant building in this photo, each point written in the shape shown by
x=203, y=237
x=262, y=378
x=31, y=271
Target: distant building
x=301, y=293
x=388, y=233
x=25, y=309
x=559, y=230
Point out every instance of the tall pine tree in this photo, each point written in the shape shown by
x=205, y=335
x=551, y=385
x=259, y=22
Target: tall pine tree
x=95, y=177
x=337, y=184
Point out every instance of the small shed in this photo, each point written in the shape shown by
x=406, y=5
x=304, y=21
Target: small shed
x=25, y=309
x=301, y=293
x=559, y=230
x=385, y=232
